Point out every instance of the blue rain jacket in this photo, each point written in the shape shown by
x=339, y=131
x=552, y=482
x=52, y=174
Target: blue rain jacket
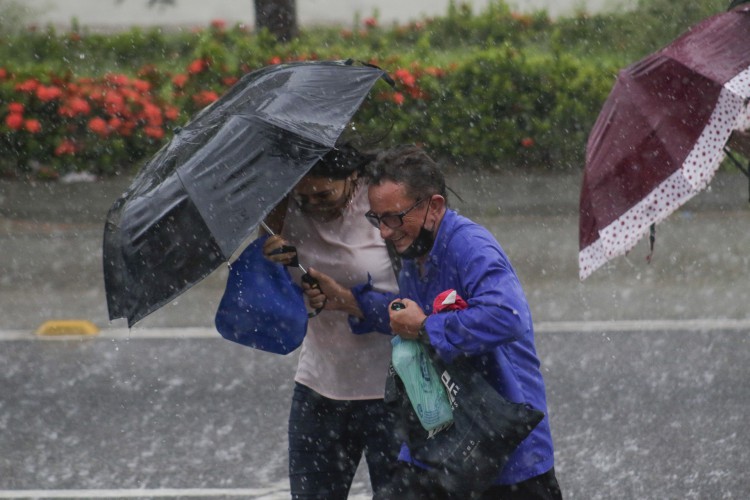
x=496, y=326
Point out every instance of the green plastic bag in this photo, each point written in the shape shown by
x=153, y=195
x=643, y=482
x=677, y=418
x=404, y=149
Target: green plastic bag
x=422, y=383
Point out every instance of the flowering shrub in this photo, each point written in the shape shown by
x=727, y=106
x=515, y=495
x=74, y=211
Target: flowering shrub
x=511, y=108
x=496, y=87
x=95, y=124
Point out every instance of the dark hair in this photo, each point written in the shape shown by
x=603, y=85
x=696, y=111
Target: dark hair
x=411, y=166
x=341, y=162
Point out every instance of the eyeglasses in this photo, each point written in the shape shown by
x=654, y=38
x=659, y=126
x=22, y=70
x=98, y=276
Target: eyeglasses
x=390, y=220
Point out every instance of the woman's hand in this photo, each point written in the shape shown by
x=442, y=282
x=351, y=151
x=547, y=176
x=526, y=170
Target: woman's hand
x=312, y=290
x=275, y=244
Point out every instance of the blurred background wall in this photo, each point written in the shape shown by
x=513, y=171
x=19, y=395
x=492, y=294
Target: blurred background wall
x=113, y=14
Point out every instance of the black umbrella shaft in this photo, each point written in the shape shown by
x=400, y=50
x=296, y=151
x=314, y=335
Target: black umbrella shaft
x=305, y=276
x=270, y=231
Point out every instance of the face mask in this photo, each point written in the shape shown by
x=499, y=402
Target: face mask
x=422, y=244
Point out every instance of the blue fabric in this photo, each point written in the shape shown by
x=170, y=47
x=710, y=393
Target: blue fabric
x=367, y=301
x=262, y=307
x=496, y=329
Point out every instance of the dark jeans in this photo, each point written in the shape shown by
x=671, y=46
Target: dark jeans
x=327, y=438
x=411, y=483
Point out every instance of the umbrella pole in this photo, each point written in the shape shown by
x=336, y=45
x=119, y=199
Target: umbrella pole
x=305, y=276
x=745, y=170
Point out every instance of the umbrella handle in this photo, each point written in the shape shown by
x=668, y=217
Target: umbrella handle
x=313, y=284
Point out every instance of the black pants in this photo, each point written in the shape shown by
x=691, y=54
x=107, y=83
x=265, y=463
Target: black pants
x=541, y=487
x=411, y=483
x=327, y=439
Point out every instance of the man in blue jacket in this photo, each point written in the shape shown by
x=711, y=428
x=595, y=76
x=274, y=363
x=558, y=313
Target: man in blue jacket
x=442, y=250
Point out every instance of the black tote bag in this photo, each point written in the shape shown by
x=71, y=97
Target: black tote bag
x=487, y=428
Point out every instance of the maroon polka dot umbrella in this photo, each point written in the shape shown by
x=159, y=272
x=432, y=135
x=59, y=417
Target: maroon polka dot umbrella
x=661, y=133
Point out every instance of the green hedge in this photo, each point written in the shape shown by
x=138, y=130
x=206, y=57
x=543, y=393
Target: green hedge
x=496, y=87
x=508, y=107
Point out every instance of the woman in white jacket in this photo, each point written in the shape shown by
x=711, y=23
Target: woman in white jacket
x=337, y=411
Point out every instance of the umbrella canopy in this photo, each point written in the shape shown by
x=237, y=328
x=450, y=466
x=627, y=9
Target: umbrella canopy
x=200, y=197
x=660, y=135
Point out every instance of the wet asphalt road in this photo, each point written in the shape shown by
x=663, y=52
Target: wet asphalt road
x=645, y=364
x=658, y=414
x=51, y=235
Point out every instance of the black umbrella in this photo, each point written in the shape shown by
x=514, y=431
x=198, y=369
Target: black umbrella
x=201, y=196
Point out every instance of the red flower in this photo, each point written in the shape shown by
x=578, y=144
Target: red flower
x=3, y=74
x=15, y=107
x=405, y=77
x=46, y=94
x=117, y=80
x=218, y=24
x=205, y=97
x=398, y=98
x=14, y=121
x=128, y=127
x=130, y=95
x=522, y=19
x=141, y=86
x=179, y=80
x=114, y=103
x=94, y=93
x=171, y=113
x=29, y=86
x=196, y=66
x=75, y=106
x=99, y=126
x=527, y=142
x=370, y=22
x=433, y=71
x=154, y=132
x=66, y=147
x=274, y=60
x=32, y=125
x=114, y=123
x=79, y=106
x=229, y=80
x=152, y=114
x=148, y=70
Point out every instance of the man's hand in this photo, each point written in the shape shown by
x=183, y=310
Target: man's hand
x=331, y=294
x=406, y=322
